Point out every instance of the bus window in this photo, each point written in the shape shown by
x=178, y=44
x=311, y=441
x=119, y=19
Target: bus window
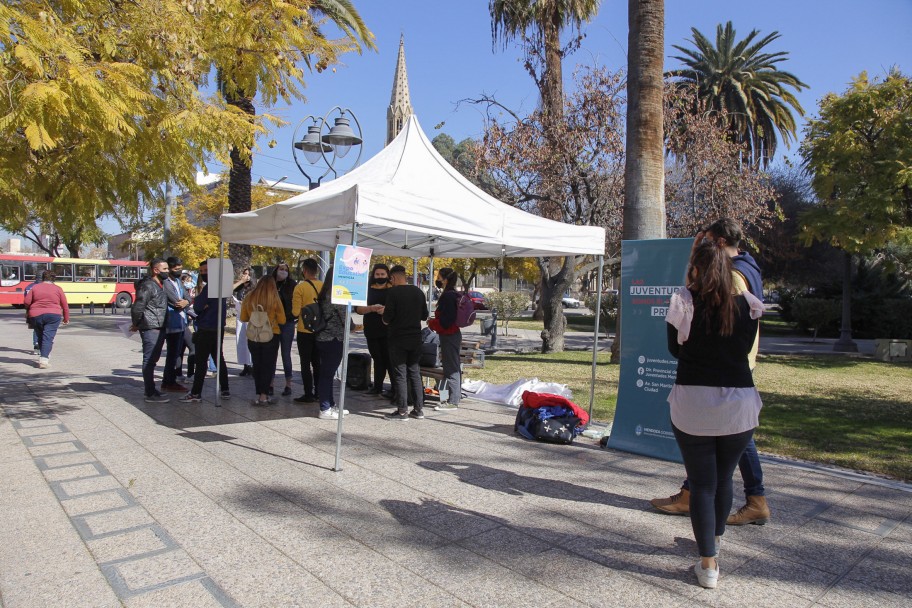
x=33, y=270
x=107, y=274
x=10, y=275
x=64, y=272
x=129, y=273
x=85, y=273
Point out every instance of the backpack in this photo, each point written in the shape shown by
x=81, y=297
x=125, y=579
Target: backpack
x=259, y=328
x=312, y=318
x=430, y=349
x=465, y=310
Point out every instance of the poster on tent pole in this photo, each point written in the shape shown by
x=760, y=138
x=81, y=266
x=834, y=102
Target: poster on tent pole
x=651, y=271
x=350, y=275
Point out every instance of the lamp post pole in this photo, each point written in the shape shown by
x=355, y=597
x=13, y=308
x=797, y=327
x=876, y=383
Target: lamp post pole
x=329, y=147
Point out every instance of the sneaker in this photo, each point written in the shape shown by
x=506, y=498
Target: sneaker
x=174, y=388
x=304, y=399
x=36, y=350
x=336, y=410
x=190, y=398
x=157, y=398
x=226, y=394
x=397, y=415
x=286, y=392
x=445, y=407
x=43, y=363
x=330, y=414
x=679, y=504
x=211, y=375
x=258, y=403
x=707, y=578
x=416, y=414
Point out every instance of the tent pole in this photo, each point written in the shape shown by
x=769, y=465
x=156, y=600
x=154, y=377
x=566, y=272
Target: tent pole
x=595, y=335
x=220, y=331
x=345, y=343
x=431, y=280
x=415, y=272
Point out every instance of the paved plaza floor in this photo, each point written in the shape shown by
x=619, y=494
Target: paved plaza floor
x=106, y=500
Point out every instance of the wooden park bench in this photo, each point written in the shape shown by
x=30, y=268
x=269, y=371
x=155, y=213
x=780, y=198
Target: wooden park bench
x=470, y=355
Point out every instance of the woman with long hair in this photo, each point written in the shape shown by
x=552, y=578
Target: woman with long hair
x=329, y=347
x=374, y=330
x=245, y=283
x=46, y=307
x=714, y=404
x=444, y=323
x=285, y=286
x=264, y=354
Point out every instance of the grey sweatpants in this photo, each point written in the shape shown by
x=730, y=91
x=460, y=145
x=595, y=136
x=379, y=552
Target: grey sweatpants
x=449, y=353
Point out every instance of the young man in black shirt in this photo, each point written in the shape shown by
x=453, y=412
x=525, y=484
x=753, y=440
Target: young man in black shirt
x=405, y=309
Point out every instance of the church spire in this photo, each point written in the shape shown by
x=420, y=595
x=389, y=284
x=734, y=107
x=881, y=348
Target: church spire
x=400, y=107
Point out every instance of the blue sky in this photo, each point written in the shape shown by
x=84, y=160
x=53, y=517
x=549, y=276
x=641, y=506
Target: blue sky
x=450, y=57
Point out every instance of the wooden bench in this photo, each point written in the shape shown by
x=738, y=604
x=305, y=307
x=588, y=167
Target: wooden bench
x=470, y=355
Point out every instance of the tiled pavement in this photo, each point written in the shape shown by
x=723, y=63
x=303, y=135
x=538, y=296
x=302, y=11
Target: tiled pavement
x=108, y=501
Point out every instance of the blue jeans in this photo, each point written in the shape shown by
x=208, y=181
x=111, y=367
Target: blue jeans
x=710, y=462
x=751, y=472
x=152, y=340
x=46, y=327
x=330, y=358
x=286, y=338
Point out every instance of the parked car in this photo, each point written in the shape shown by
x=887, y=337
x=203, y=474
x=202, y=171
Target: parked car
x=571, y=302
x=478, y=299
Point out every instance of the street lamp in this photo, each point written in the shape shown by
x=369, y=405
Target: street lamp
x=334, y=145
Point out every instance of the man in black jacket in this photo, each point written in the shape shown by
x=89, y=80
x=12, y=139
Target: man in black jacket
x=405, y=309
x=148, y=316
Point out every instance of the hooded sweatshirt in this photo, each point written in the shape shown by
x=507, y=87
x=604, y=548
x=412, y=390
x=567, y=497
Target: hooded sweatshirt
x=750, y=270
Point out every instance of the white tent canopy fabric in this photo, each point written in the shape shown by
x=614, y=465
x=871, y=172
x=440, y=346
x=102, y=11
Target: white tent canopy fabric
x=408, y=201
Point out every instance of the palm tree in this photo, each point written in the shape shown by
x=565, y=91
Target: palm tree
x=240, y=79
x=742, y=78
x=540, y=22
x=644, y=173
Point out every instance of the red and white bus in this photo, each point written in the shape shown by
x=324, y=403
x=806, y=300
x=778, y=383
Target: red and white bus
x=83, y=281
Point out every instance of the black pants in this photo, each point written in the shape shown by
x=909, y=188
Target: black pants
x=206, y=343
x=379, y=351
x=404, y=357
x=310, y=362
x=264, y=356
x=710, y=462
x=175, y=342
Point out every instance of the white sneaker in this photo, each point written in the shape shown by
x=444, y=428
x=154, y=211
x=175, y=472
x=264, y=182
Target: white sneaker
x=336, y=410
x=43, y=363
x=707, y=578
x=330, y=414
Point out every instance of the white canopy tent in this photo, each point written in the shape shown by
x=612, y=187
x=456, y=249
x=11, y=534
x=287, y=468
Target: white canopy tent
x=408, y=201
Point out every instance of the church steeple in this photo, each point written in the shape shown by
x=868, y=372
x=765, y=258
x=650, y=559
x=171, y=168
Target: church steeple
x=400, y=107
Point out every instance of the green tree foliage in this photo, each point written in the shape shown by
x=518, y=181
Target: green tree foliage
x=508, y=304
x=104, y=101
x=859, y=152
x=741, y=77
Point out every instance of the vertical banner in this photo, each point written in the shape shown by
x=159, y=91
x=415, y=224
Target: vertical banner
x=651, y=271
x=221, y=277
x=350, y=275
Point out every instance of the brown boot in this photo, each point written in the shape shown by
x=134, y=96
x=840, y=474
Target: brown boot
x=679, y=504
x=756, y=511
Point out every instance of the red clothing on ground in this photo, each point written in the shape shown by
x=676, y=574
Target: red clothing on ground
x=47, y=299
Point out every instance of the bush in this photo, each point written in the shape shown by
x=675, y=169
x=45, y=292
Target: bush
x=508, y=304
x=609, y=312
x=816, y=314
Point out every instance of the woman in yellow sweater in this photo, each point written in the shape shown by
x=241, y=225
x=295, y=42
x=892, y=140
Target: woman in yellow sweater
x=264, y=354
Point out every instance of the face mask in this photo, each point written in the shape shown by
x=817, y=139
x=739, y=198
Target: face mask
x=282, y=275
x=175, y=273
x=380, y=280
x=164, y=275
x=439, y=284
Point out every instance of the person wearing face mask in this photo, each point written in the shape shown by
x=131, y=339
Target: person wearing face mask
x=375, y=331
x=307, y=292
x=148, y=316
x=175, y=324
x=444, y=323
x=286, y=286
x=207, y=338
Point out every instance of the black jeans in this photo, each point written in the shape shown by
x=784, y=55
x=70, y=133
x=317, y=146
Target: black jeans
x=264, y=356
x=175, y=342
x=206, y=344
x=751, y=472
x=330, y=359
x=152, y=342
x=710, y=462
x=310, y=362
x=404, y=357
x=379, y=352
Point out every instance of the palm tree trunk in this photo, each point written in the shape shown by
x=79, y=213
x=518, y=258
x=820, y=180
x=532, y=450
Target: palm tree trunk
x=239, y=181
x=644, y=174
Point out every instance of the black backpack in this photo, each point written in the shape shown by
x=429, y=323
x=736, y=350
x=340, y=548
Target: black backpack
x=312, y=317
x=430, y=348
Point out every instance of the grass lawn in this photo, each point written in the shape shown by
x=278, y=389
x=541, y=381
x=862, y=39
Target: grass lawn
x=851, y=412
x=574, y=323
